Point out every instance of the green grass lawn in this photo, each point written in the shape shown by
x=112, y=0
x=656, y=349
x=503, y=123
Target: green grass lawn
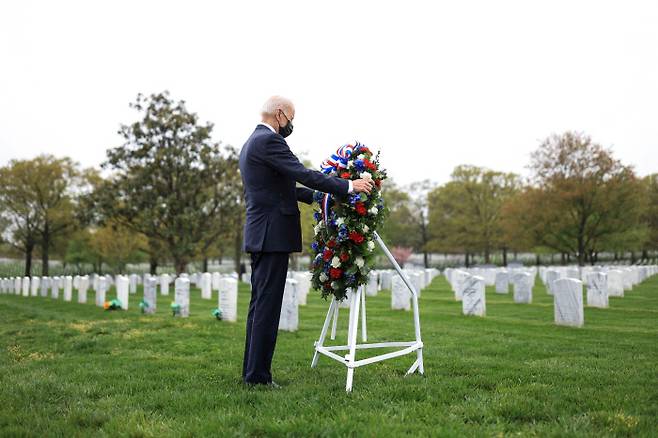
x=69, y=369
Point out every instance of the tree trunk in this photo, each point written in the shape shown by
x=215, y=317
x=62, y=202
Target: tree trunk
x=632, y=257
x=153, y=266
x=645, y=255
x=45, y=243
x=204, y=268
x=180, y=264
x=563, y=259
x=28, y=259
x=426, y=259
x=537, y=259
x=486, y=256
x=504, y=256
x=466, y=261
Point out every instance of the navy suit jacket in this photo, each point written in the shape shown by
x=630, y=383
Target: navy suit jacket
x=269, y=171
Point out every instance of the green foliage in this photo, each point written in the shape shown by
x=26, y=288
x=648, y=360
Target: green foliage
x=73, y=369
x=466, y=214
x=170, y=181
x=582, y=200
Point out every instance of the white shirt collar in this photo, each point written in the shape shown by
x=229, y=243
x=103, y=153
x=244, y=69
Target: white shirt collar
x=268, y=126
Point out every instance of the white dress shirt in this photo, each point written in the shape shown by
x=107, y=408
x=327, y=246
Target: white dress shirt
x=350, y=189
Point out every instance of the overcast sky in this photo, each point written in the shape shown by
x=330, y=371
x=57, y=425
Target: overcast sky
x=430, y=84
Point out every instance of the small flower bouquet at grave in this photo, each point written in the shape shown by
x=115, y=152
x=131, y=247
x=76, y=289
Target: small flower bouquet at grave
x=343, y=245
x=217, y=313
x=175, y=308
x=143, y=305
x=112, y=305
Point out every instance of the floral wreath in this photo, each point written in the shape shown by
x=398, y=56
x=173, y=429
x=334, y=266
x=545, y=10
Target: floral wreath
x=344, y=245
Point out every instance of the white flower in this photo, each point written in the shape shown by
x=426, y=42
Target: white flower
x=365, y=175
x=350, y=164
x=361, y=157
x=323, y=277
x=365, y=228
x=334, y=285
x=374, y=211
x=371, y=245
x=318, y=228
x=335, y=262
x=340, y=221
x=359, y=262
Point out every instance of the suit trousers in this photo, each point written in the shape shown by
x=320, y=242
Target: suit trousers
x=268, y=280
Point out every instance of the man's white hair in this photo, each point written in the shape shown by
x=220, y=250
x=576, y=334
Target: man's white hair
x=275, y=103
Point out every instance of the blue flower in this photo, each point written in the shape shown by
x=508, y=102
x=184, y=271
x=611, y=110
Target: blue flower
x=318, y=216
x=360, y=165
x=317, y=196
x=315, y=247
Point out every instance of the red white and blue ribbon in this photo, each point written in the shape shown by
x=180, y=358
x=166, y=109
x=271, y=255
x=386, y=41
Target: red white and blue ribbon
x=334, y=163
x=339, y=159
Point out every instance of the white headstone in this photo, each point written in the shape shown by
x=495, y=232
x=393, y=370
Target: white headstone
x=123, y=290
x=615, y=284
x=522, y=287
x=400, y=294
x=134, y=280
x=150, y=296
x=182, y=296
x=55, y=286
x=303, y=286
x=551, y=276
x=45, y=285
x=457, y=278
x=206, y=286
x=386, y=278
x=26, y=286
x=103, y=287
x=68, y=288
x=83, y=286
x=289, y=320
x=228, y=299
x=473, y=296
x=165, y=279
x=372, y=287
x=35, y=282
x=216, y=279
x=568, y=299
x=502, y=282
x=597, y=289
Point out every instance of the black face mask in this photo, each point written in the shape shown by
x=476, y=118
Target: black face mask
x=285, y=131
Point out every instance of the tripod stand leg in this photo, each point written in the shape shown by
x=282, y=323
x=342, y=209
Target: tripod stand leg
x=323, y=334
x=353, y=331
x=364, y=332
x=335, y=323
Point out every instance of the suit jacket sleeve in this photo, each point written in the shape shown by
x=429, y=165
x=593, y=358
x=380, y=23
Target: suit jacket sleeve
x=279, y=156
x=304, y=195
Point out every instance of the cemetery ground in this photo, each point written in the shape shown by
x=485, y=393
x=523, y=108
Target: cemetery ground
x=71, y=369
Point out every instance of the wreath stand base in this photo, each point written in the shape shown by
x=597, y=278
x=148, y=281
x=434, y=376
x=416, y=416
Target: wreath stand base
x=358, y=303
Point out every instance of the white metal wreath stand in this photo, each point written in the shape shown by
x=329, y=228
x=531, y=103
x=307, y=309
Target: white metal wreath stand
x=358, y=300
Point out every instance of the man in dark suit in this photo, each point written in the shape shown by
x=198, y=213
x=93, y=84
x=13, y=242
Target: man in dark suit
x=272, y=228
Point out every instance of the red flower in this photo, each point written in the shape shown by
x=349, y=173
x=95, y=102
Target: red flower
x=364, y=150
x=378, y=183
x=327, y=255
x=345, y=175
x=327, y=285
x=335, y=273
x=356, y=237
x=369, y=164
x=360, y=208
x=331, y=243
x=344, y=257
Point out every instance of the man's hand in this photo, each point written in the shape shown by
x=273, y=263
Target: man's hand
x=362, y=185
